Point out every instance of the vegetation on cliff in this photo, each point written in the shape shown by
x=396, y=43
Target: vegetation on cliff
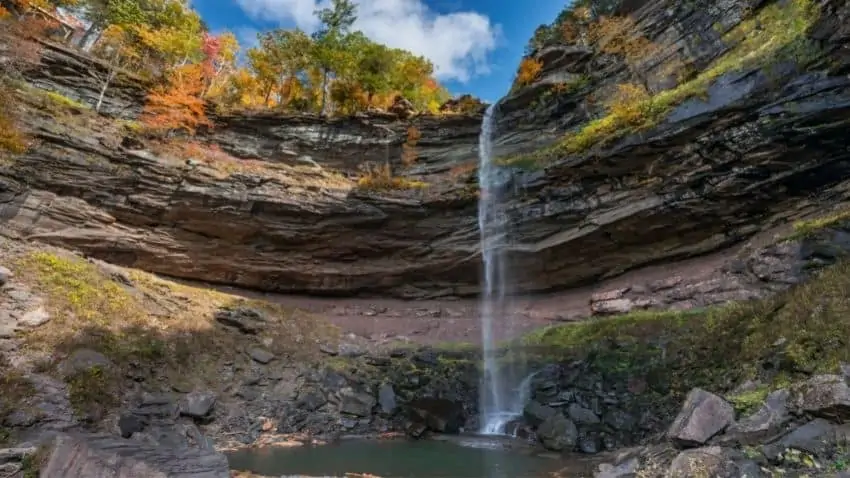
x=776, y=33
x=774, y=341
x=334, y=71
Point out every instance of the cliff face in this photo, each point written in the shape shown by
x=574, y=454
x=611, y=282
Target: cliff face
x=283, y=211
x=761, y=142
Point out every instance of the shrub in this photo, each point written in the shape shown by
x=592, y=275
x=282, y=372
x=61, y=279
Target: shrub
x=380, y=177
x=408, y=149
x=528, y=71
x=630, y=103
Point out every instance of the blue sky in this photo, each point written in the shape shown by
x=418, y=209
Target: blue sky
x=475, y=44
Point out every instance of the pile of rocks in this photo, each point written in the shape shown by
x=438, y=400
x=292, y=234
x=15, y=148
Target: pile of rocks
x=800, y=430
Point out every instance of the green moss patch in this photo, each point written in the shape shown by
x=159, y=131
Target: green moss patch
x=807, y=228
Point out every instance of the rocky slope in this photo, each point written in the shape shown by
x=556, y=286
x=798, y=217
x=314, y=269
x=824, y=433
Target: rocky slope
x=763, y=146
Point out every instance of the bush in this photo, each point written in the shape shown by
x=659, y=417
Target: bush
x=529, y=69
x=408, y=149
x=380, y=177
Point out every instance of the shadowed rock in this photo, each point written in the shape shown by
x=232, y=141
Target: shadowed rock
x=102, y=456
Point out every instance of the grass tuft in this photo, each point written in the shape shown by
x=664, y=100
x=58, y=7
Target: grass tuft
x=807, y=228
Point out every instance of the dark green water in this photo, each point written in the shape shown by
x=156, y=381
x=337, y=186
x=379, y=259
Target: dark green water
x=472, y=458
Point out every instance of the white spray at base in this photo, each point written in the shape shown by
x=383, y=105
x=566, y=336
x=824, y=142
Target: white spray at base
x=499, y=402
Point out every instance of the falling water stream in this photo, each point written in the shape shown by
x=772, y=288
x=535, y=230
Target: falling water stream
x=503, y=391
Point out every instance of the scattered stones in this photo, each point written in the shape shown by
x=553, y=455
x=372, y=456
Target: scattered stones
x=703, y=416
x=260, y=355
x=627, y=469
x=197, y=404
x=247, y=321
x=712, y=461
x=558, y=433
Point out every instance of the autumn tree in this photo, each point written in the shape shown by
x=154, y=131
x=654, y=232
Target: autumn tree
x=178, y=105
x=529, y=69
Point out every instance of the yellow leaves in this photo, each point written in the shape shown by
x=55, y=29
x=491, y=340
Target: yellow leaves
x=4, y=14
x=529, y=69
x=629, y=103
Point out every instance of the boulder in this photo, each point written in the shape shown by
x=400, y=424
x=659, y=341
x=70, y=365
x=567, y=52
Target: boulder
x=260, y=355
x=558, y=433
x=438, y=414
x=103, y=456
x=386, y=398
x=357, y=403
x=536, y=413
x=197, y=404
x=581, y=415
x=817, y=437
x=703, y=416
x=768, y=421
x=826, y=396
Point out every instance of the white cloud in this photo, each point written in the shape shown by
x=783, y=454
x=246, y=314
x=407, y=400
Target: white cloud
x=457, y=43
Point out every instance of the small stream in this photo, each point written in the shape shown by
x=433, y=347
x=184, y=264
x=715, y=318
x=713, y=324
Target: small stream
x=456, y=457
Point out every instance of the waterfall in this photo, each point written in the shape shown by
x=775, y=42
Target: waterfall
x=501, y=397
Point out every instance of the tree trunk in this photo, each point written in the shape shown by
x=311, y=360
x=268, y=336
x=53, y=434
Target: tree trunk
x=324, y=92
x=113, y=70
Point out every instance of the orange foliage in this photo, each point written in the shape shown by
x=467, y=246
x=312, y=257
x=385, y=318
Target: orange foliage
x=611, y=35
x=11, y=139
x=529, y=68
x=4, y=14
x=408, y=149
x=178, y=105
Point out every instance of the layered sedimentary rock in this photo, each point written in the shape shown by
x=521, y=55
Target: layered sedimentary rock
x=757, y=150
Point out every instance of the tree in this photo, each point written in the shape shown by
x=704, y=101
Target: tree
x=374, y=68
x=330, y=40
x=115, y=45
x=287, y=53
x=178, y=105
